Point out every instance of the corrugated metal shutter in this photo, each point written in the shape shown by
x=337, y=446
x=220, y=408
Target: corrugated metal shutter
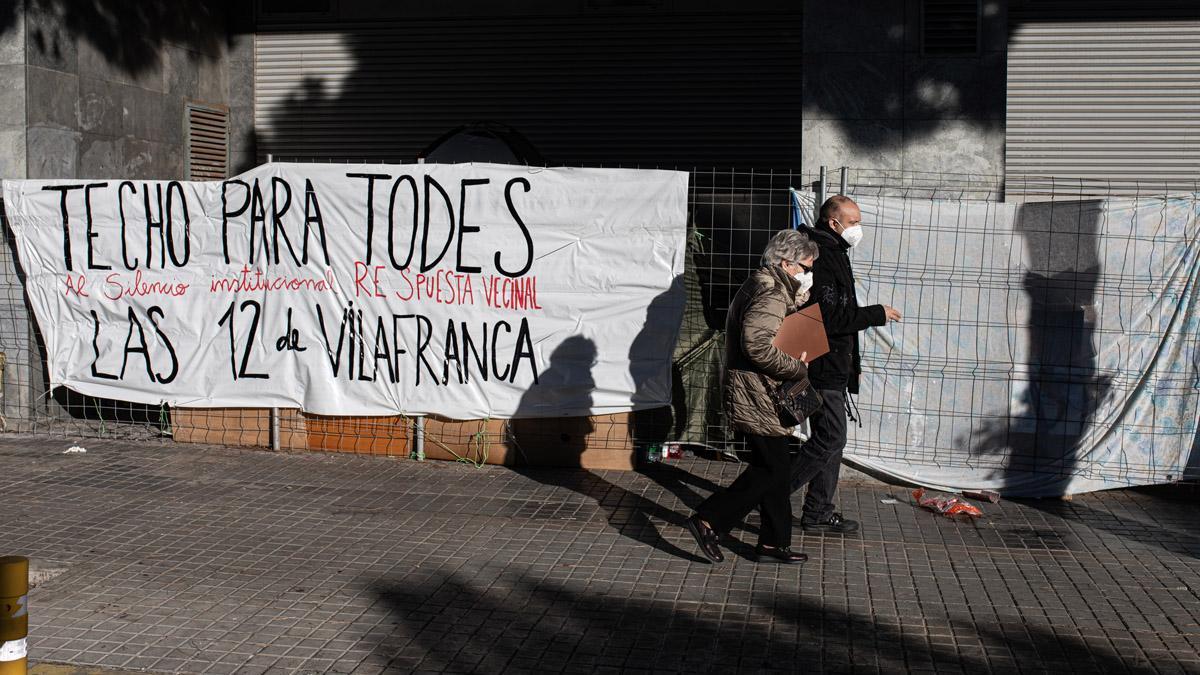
x=1116, y=101
x=653, y=89
x=207, y=142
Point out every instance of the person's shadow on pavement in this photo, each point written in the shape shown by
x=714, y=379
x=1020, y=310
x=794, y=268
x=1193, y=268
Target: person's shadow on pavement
x=654, y=423
x=567, y=382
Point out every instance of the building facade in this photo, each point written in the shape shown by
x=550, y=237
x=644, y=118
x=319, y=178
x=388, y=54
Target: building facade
x=1003, y=90
x=988, y=87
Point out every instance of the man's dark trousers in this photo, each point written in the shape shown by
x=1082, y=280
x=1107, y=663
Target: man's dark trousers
x=819, y=462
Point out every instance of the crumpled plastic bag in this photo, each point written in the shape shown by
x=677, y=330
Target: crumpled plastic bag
x=945, y=503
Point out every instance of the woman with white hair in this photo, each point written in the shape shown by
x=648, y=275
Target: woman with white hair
x=753, y=366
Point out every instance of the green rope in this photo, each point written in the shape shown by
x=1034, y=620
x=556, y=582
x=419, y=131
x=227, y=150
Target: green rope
x=478, y=442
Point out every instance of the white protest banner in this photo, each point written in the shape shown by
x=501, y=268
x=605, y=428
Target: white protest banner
x=464, y=290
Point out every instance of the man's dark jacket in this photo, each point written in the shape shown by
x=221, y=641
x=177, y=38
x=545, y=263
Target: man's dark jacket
x=833, y=290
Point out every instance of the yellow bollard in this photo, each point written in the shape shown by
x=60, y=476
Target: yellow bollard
x=14, y=614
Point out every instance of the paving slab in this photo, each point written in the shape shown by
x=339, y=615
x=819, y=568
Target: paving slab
x=200, y=559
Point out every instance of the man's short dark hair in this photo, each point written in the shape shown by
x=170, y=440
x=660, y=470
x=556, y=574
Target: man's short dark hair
x=831, y=206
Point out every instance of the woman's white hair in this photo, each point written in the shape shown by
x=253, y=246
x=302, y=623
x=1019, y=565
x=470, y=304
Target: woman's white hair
x=791, y=245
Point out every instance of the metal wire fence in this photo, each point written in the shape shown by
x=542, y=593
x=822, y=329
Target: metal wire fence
x=1053, y=337
x=732, y=214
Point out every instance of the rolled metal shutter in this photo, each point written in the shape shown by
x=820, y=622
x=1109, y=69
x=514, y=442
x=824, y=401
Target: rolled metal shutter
x=709, y=90
x=1111, y=100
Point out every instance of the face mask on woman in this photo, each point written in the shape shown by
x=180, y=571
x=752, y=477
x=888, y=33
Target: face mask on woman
x=805, y=279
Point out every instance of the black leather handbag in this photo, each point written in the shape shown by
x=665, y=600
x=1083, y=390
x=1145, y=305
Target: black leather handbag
x=795, y=401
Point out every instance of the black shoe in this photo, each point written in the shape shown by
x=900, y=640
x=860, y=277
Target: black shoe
x=706, y=537
x=835, y=523
x=778, y=555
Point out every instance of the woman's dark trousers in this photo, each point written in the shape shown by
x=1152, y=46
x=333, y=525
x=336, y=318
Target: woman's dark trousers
x=765, y=485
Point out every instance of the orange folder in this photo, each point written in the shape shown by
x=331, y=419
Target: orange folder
x=801, y=332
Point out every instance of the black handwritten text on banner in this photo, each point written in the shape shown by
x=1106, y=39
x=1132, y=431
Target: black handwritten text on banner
x=468, y=290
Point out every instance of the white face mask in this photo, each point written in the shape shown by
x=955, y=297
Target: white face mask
x=853, y=235
x=805, y=279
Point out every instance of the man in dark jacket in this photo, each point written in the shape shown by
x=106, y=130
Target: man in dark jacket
x=835, y=374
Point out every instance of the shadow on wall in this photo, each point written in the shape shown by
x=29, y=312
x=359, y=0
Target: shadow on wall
x=1191, y=472
x=656, y=425
x=717, y=89
x=567, y=381
x=868, y=79
x=704, y=94
x=483, y=618
x=1041, y=440
x=130, y=35
x=110, y=38
x=871, y=74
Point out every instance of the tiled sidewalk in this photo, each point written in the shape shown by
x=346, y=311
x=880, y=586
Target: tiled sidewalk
x=203, y=559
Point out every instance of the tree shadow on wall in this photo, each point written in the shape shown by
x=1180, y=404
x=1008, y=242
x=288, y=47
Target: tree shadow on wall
x=863, y=71
x=130, y=35
x=876, y=77
x=578, y=105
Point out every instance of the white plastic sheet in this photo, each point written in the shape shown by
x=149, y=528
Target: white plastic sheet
x=466, y=290
x=1046, y=348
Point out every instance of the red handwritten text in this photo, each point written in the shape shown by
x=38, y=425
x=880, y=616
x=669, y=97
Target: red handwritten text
x=117, y=286
x=361, y=273
x=443, y=287
x=76, y=286
x=509, y=293
x=255, y=280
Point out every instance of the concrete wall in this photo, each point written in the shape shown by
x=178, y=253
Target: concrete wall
x=109, y=101
x=17, y=338
x=871, y=100
x=239, y=64
x=98, y=89
x=12, y=99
